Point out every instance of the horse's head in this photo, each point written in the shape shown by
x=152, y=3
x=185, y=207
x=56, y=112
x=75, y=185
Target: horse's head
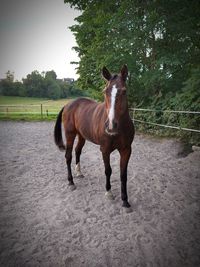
x=115, y=99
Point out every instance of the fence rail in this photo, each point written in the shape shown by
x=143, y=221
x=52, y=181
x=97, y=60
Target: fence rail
x=165, y=111
x=46, y=110
x=39, y=109
x=165, y=125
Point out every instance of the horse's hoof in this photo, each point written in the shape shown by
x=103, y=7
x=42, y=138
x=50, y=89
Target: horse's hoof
x=72, y=187
x=109, y=195
x=126, y=204
x=127, y=207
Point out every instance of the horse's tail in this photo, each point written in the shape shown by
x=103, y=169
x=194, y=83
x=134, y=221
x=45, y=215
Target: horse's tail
x=58, y=132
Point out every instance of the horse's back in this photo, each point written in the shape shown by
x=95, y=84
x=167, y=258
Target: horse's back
x=79, y=102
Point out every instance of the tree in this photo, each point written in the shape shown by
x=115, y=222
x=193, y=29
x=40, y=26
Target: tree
x=51, y=85
x=19, y=89
x=34, y=84
x=159, y=41
x=7, y=84
x=10, y=76
x=51, y=74
x=53, y=89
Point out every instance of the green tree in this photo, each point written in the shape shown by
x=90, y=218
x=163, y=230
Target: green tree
x=34, y=84
x=10, y=76
x=53, y=89
x=51, y=85
x=7, y=85
x=51, y=74
x=19, y=88
x=157, y=39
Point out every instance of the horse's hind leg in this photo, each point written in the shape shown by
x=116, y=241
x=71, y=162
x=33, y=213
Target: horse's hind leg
x=68, y=155
x=78, y=149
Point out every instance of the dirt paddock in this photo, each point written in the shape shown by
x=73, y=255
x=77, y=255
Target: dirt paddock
x=43, y=223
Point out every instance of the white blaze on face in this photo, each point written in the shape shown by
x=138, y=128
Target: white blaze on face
x=111, y=114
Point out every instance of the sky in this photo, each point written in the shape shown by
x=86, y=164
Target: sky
x=34, y=35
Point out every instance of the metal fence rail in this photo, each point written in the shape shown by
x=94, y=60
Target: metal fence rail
x=166, y=111
x=45, y=109
x=40, y=109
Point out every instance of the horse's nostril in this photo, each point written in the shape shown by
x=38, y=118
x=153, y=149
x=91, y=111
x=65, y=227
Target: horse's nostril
x=111, y=127
x=114, y=125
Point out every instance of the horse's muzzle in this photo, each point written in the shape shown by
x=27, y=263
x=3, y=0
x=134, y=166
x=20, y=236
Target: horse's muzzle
x=111, y=128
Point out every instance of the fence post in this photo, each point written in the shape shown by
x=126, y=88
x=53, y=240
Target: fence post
x=47, y=112
x=41, y=108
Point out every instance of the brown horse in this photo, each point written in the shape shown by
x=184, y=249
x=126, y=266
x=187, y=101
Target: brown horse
x=107, y=124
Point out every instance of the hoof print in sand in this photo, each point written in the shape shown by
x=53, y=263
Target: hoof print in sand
x=79, y=175
x=129, y=210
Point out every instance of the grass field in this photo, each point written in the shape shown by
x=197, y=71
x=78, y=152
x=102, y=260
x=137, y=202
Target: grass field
x=28, y=108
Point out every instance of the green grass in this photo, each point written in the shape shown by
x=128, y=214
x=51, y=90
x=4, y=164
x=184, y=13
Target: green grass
x=28, y=108
x=16, y=100
x=26, y=117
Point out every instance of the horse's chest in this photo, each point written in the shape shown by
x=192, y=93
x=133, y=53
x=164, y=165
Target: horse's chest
x=108, y=143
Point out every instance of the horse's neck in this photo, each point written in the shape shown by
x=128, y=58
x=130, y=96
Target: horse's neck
x=123, y=117
x=103, y=107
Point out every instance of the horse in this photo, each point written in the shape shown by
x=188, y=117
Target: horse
x=106, y=124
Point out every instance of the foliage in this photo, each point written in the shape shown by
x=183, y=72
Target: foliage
x=38, y=85
x=158, y=40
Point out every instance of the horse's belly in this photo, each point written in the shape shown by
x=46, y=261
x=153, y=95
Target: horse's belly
x=89, y=135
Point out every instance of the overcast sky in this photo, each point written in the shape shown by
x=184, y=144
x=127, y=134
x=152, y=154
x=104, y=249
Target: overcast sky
x=34, y=35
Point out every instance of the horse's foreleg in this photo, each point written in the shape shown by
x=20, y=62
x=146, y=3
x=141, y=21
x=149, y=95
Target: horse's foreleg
x=108, y=172
x=68, y=156
x=124, y=159
x=78, y=149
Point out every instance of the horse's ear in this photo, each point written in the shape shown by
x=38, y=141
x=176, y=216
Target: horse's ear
x=124, y=72
x=106, y=74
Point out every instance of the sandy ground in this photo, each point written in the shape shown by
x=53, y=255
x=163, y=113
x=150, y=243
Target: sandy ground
x=43, y=223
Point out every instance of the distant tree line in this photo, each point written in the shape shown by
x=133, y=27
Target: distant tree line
x=45, y=85
x=158, y=40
